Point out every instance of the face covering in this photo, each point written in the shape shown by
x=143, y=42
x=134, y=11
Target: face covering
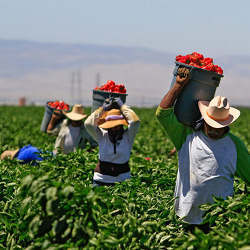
x=114, y=136
x=198, y=125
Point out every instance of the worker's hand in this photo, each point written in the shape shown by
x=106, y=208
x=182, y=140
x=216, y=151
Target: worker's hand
x=183, y=75
x=107, y=105
x=118, y=102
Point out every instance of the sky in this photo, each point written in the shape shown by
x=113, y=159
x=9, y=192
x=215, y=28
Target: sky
x=214, y=27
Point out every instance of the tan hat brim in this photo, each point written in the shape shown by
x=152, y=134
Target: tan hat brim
x=233, y=115
x=114, y=123
x=74, y=116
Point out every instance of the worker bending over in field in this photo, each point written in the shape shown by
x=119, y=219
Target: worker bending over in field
x=106, y=126
x=26, y=154
x=72, y=133
x=208, y=157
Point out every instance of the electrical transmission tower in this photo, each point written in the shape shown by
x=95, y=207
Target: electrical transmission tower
x=97, y=79
x=79, y=90
x=76, y=85
x=72, y=87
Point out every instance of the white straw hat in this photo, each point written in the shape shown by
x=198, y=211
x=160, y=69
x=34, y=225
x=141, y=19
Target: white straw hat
x=77, y=113
x=217, y=113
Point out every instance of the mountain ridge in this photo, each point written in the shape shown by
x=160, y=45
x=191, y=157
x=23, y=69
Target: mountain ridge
x=40, y=70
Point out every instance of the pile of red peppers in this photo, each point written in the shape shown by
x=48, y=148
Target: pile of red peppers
x=110, y=86
x=198, y=60
x=59, y=105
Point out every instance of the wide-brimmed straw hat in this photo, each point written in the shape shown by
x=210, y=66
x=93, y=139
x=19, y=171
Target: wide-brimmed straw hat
x=9, y=154
x=77, y=113
x=113, y=118
x=217, y=113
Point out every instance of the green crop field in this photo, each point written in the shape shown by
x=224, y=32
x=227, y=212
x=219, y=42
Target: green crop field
x=53, y=205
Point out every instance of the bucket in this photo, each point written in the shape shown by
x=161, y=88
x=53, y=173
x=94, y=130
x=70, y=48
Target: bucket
x=48, y=114
x=46, y=117
x=99, y=97
x=202, y=86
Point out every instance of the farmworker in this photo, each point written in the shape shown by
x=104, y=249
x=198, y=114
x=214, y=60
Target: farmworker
x=72, y=133
x=26, y=154
x=106, y=126
x=209, y=155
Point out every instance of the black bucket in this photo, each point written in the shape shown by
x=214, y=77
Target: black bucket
x=99, y=97
x=202, y=86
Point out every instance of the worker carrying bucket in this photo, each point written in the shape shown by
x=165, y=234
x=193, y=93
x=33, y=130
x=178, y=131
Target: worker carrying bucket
x=114, y=126
x=53, y=109
x=209, y=155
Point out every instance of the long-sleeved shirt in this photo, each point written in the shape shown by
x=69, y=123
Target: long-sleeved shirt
x=206, y=166
x=106, y=147
x=68, y=141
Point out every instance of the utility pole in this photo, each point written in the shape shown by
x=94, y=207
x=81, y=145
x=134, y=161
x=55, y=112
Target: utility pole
x=76, y=85
x=72, y=86
x=79, y=81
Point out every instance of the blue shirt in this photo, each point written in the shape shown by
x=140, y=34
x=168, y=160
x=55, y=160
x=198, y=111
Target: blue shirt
x=29, y=153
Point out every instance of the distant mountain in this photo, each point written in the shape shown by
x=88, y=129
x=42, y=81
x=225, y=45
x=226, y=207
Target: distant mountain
x=42, y=71
x=19, y=57
x=22, y=57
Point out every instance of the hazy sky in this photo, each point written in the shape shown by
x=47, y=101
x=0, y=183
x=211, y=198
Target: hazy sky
x=214, y=27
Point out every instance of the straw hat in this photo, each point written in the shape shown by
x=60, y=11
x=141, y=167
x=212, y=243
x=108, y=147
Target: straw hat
x=217, y=113
x=113, y=118
x=77, y=113
x=9, y=154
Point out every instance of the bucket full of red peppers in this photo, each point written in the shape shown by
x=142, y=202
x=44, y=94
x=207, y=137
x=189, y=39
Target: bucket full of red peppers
x=53, y=107
x=107, y=90
x=205, y=77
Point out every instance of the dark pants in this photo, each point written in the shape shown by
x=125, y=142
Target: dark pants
x=99, y=183
x=203, y=227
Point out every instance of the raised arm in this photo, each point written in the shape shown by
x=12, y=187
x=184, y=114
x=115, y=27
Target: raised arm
x=54, y=125
x=131, y=117
x=133, y=121
x=91, y=123
x=182, y=79
x=176, y=131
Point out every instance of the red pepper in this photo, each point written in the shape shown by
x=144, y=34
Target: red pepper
x=177, y=58
x=197, y=56
x=208, y=60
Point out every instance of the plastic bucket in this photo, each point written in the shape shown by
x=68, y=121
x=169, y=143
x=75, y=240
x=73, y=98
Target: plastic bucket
x=99, y=97
x=202, y=86
x=46, y=117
